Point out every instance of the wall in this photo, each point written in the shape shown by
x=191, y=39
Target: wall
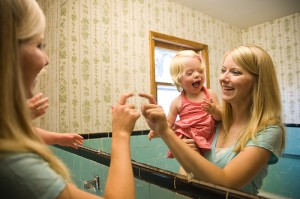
x=152, y=153
x=100, y=49
x=84, y=169
x=283, y=177
x=150, y=182
x=281, y=182
x=281, y=39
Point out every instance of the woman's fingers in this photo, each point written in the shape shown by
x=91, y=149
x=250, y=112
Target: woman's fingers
x=124, y=97
x=149, y=97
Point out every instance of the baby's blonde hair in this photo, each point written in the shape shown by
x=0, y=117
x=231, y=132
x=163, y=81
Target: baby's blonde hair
x=178, y=63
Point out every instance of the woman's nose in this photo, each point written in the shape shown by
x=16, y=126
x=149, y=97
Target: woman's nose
x=46, y=60
x=224, y=77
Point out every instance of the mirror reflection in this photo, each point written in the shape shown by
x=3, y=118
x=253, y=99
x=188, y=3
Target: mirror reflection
x=99, y=48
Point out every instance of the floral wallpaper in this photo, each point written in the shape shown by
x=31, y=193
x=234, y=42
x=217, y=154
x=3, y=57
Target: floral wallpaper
x=281, y=39
x=99, y=49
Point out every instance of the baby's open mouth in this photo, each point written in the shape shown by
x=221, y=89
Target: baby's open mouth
x=196, y=84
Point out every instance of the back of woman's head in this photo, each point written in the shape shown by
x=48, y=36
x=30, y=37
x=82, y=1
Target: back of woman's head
x=20, y=21
x=178, y=63
x=266, y=108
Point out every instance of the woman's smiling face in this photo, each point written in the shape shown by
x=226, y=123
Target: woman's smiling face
x=33, y=60
x=236, y=83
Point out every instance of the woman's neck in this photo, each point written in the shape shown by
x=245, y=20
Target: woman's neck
x=240, y=120
x=241, y=113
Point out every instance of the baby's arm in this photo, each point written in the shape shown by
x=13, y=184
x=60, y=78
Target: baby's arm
x=63, y=139
x=173, y=111
x=212, y=106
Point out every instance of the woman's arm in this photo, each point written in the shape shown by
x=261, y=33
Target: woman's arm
x=238, y=172
x=120, y=175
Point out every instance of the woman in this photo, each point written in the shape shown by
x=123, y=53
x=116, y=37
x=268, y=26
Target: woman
x=251, y=134
x=28, y=169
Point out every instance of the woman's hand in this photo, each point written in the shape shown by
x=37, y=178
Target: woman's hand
x=154, y=115
x=124, y=116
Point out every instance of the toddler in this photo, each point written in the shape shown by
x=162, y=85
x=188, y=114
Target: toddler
x=197, y=107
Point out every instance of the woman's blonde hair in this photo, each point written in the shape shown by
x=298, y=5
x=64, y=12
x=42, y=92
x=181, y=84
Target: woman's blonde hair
x=20, y=21
x=178, y=63
x=266, y=106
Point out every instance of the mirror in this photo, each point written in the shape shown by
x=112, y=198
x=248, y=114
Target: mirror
x=97, y=48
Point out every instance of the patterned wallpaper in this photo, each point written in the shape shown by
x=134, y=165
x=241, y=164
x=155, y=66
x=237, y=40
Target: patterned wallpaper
x=99, y=49
x=281, y=39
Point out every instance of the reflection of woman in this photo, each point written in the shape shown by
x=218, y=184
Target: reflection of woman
x=251, y=134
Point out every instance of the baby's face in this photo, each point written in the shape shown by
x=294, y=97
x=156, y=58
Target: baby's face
x=193, y=76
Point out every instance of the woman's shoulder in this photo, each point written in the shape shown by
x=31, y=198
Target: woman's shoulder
x=23, y=164
x=269, y=138
x=270, y=131
x=17, y=158
x=30, y=170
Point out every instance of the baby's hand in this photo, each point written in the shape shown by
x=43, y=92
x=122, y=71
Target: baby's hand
x=70, y=139
x=209, y=106
x=38, y=105
x=152, y=134
x=191, y=143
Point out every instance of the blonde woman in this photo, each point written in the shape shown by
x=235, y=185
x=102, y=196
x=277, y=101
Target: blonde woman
x=28, y=169
x=251, y=135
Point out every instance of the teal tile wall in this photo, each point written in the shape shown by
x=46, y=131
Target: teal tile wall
x=293, y=141
x=152, y=152
x=84, y=169
x=283, y=177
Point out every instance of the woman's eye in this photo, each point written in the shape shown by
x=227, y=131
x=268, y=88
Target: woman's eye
x=223, y=70
x=41, y=46
x=236, y=72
